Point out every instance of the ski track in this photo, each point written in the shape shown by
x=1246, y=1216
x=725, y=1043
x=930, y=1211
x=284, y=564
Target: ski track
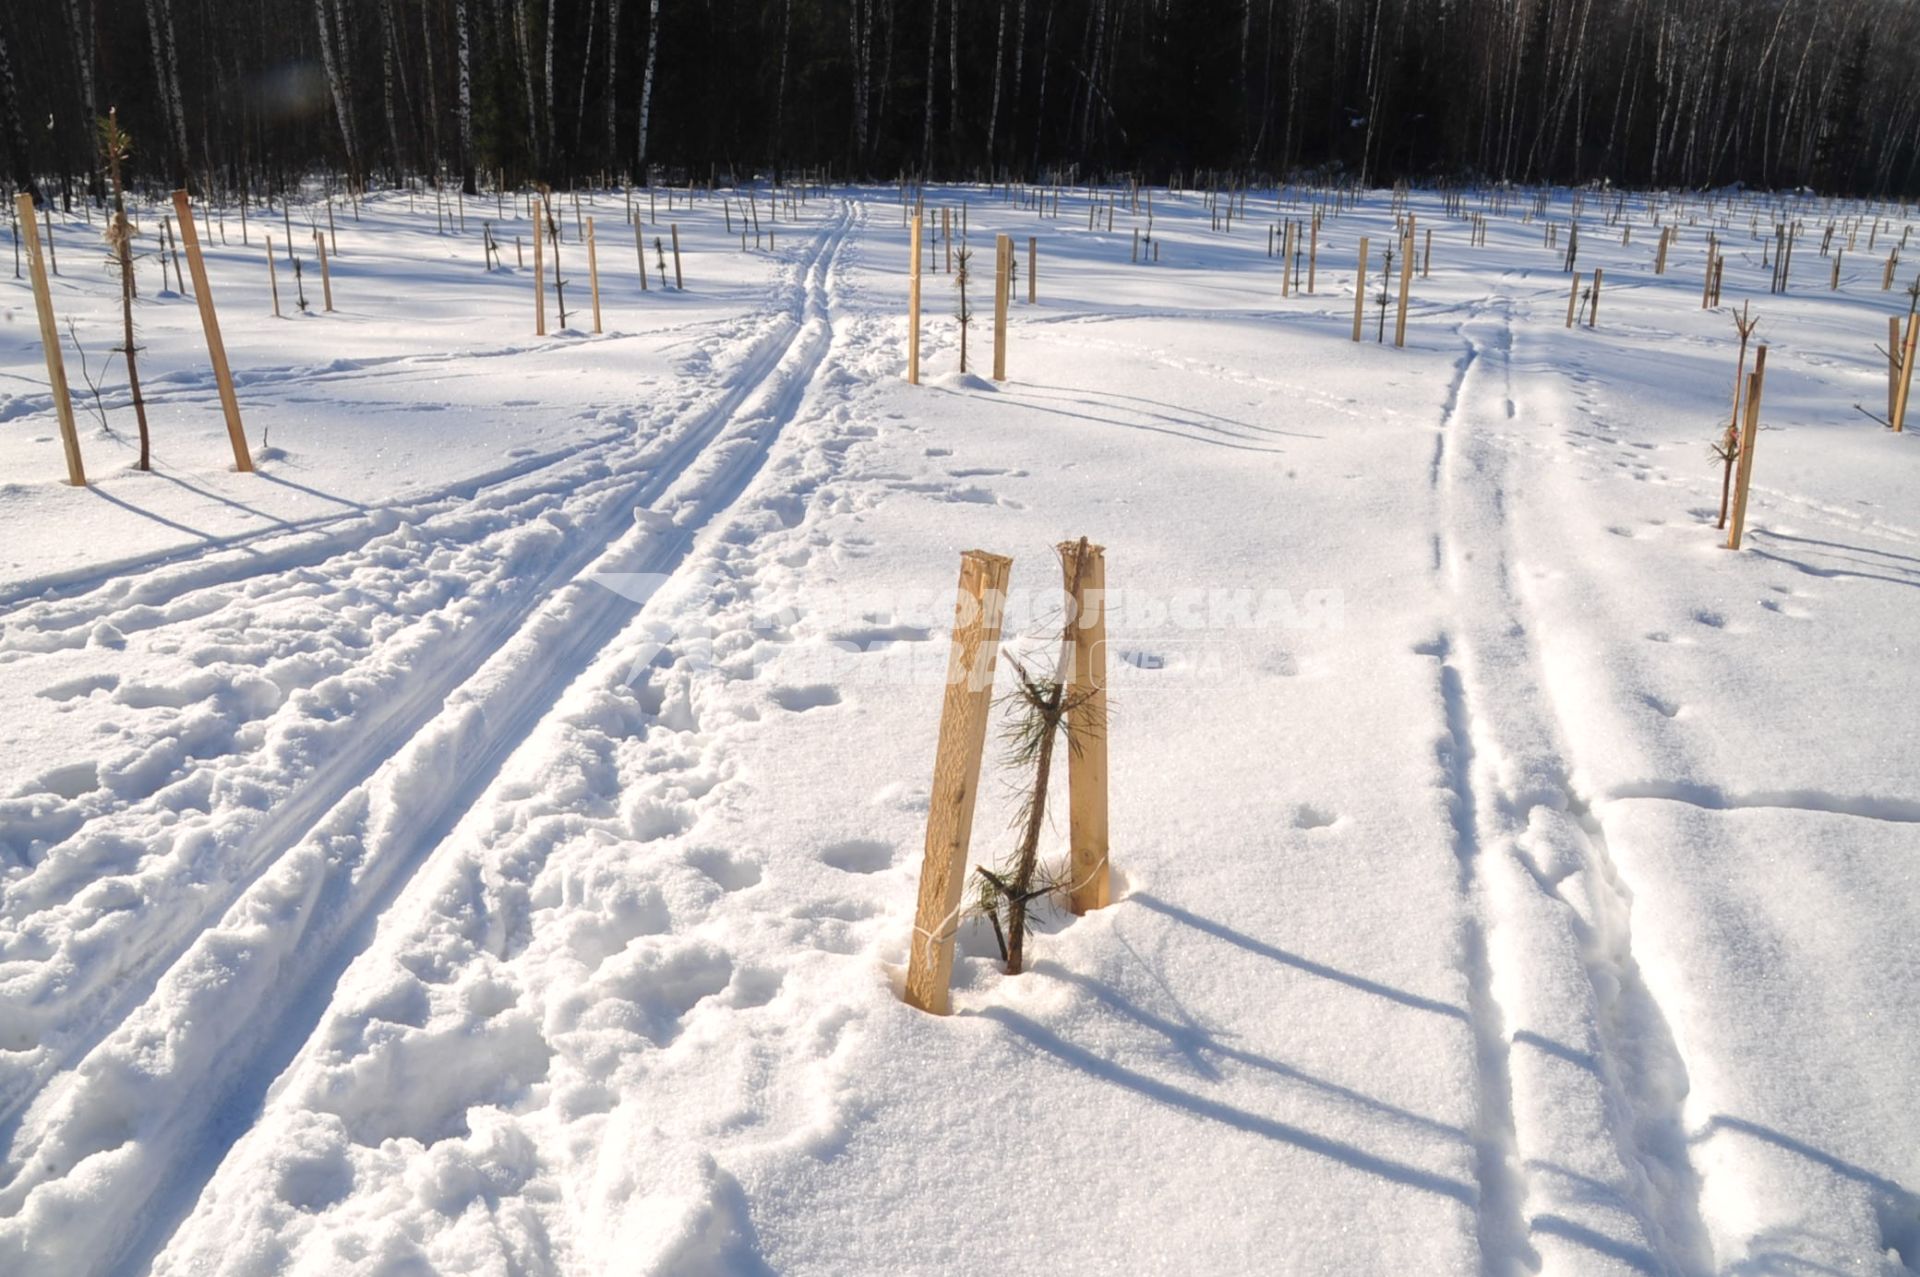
x=73, y=1015
x=326, y=861
x=1504, y=758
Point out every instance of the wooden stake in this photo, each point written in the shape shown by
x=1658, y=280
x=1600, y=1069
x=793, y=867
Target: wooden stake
x=1002, y=290
x=1906, y=374
x=1738, y=526
x=1660, y=257
x=1033, y=269
x=1893, y=365
x=1593, y=308
x=326, y=276
x=222, y=375
x=964, y=710
x=539, y=282
x=1406, y=283
x=593, y=275
x=1573, y=298
x=1090, y=881
x=1360, y=290
x=913, y=304
x=273, y=278
x=50, y=344
x=639, y=246
x=678, y=286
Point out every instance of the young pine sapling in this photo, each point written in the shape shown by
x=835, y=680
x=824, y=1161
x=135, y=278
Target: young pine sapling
x=1042, y=705
x=1727, y=450
x=116, y=146
x=962, y=311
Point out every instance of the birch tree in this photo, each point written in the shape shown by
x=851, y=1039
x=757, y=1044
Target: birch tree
x=646, y=86
x=333, y=62
x=465, y=96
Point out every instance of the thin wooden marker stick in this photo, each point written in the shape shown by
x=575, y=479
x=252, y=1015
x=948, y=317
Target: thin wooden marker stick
x=1406, y=283
x=913, y=305
x=639, y=249
x=1033, y=269
x=1360, y=290
x=678, y=286
x=539, y=284
x=964, y=710
x=1090, y=884
x=593, y=275
x=273, y=278
x=1906, y=374
x=50, y=343
x=326, y=276
x=1573, y=298
x=1593, y=308
x=1893, y=365
x=1002, y=288
x=222, y=375
x=1738, y=525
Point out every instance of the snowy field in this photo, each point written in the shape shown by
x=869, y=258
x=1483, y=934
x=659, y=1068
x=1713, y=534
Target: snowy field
x=485, y=839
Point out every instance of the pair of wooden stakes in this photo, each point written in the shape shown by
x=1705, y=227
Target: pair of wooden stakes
x=1003, y=276
x=540, y=234
x=56, y=364
x=1406, y=284
x=965, y=708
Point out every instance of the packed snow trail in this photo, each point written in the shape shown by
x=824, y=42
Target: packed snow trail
x=215, y=1028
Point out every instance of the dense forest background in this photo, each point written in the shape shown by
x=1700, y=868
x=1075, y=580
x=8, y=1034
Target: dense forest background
x=1775, y=93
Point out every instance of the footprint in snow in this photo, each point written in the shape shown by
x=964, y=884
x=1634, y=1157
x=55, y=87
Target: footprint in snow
x=800, y=699
x=858, y=855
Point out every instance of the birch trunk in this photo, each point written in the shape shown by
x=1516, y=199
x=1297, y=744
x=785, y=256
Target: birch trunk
x=330, y=61
x=646, y=84
x=999, y=60
x=613, y=81
x=465, y=96
x=933, y=44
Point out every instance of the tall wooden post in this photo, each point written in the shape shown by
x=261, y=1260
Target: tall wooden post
x=222, y=375
x=539, y=283
x=1360, y=290
x=1573, y=298
x=964, y=710
x=913, y=305
x=1893, y=366
x=1033, y=270
x=273, y=278
x=1660, y=255
x=593, y=275
x=1737, y=526
x=678, y=285
x=1593, y=308
x=1002, y=290
x=326, y=276
x=640, y=251
x=1090, y=882
x=50, y=342
x=1906, y=374
x=1406, y=284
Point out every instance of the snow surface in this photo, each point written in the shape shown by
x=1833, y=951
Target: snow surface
x=485, y=839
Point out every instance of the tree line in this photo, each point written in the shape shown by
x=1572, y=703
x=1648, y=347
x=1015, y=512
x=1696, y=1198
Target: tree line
x=1773, y=93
